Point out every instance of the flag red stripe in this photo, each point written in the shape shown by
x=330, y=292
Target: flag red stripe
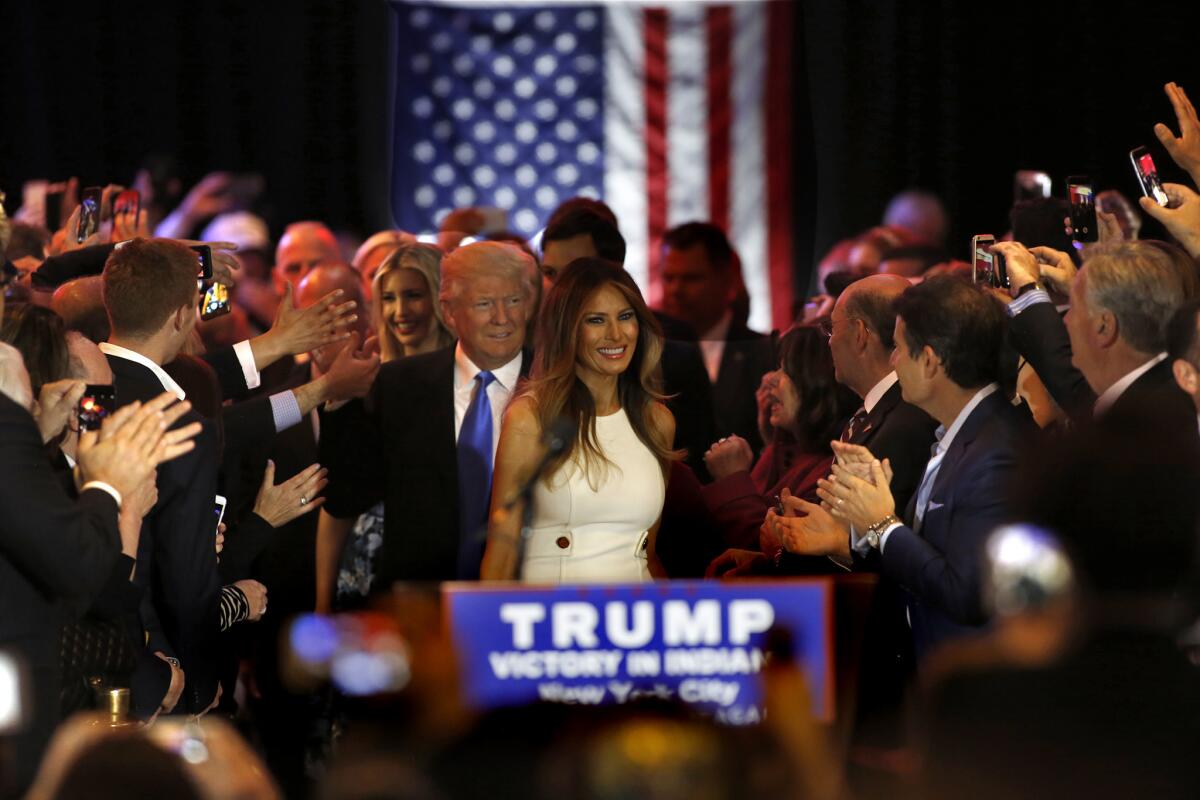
x=779, y=160
x=655, y=89
x=719, y=24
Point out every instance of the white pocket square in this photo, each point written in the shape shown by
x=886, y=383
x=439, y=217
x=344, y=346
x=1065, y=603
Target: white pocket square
x=933, y=506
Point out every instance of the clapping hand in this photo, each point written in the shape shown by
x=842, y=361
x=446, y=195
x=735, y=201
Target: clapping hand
x=323, y=323
x=808, y=529
x=727, y=456
x=133, y=441
x=856, y=501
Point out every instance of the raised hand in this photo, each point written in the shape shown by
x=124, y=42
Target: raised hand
x=133, y=441
x=56, y=402
x=1184, y=149
x=737, y=563
x=1056, y=267
x=1181, y=216
x=323, y=323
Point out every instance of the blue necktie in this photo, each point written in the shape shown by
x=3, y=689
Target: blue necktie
x=474, y=478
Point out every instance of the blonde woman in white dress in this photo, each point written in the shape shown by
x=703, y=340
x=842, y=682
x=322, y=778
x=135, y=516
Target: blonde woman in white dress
x=597, y=508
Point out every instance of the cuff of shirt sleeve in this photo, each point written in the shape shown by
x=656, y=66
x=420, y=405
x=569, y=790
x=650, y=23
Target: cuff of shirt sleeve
x=1026, y=300
x=104, y=487
x=245, y=357
x=286, y=410
x=883, y=539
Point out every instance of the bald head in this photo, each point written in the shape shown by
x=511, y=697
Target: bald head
x=87, y=362
x=864, y=322
x=80, y=303
x=304, y=245
x=327, y=278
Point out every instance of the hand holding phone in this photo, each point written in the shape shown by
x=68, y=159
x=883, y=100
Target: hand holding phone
x=204, y=256
x=89, y=213
x=1147, y=175
x=1083, y=209
x=215, y=302
x=98, y=401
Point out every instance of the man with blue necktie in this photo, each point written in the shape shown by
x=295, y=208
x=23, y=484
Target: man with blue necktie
x=948, y=339
x=424, y=440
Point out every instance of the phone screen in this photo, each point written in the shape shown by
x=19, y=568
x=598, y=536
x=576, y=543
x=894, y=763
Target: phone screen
x=98, y=401
x=215, y=301
x=128, y=202
x=89, y=213
x=1143, y=165
x=219, y=508
x=984, y=271
x=1083, y=210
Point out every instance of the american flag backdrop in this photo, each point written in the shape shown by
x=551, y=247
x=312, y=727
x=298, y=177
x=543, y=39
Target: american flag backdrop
x=669, y=112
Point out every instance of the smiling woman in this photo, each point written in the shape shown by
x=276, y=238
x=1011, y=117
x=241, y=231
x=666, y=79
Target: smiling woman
x=408, y=318
x=596, y=509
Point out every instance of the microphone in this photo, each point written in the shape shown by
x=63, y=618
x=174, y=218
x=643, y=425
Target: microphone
x=557, y=437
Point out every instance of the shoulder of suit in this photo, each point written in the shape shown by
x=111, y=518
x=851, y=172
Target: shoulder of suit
x=421, y=369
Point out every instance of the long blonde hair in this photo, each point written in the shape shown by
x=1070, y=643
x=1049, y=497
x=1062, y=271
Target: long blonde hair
x=555, y=388
x=426, y=260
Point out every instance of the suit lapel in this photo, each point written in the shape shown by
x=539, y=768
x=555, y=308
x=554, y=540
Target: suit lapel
x=891, y=398
x=971, y=427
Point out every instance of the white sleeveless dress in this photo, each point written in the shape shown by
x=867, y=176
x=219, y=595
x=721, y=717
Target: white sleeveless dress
x=585, y=535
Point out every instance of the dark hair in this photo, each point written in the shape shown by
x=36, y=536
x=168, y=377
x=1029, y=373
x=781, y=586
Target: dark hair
x=963, y=325
x=555, y=387
x=125, y=765
x=878, y=311
x=38, y=333
x=27, y=240
x=579, y=216
x=1181, y=333
x=706, y=235
x=824, y=403
x=145, y=282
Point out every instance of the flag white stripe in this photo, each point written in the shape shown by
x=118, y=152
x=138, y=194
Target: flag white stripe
x=748, y=177
x=624, y=134
x=687, y=115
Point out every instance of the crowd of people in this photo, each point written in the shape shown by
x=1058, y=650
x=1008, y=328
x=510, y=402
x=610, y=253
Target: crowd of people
x=1017, y=463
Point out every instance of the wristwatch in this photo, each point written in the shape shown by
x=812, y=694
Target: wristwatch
x=875, y=532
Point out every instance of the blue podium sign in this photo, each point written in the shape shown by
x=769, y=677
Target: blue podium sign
x=693, y=641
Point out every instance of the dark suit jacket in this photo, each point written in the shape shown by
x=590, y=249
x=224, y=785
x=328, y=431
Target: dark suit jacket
x=177, y=560
x=1039, y=334
x=940, y=566
x=399, y=447
x=746, y=358
x=54, y=554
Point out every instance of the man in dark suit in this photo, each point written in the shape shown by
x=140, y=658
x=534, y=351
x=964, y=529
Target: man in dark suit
x=1108, y=355
x=56, y=554
x=410, y=441
x=583, y=228
x=701, y=284
x=151, y=294
x=948, y=337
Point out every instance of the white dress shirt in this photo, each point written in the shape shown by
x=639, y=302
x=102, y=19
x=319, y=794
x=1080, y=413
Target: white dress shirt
x=1105, y=401
x=499, y=391
x=712, y=345
x=168, y=383
x=879, y=390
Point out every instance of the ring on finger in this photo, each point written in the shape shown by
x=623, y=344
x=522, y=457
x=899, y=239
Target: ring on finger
x=841, y=500
x=303, y=500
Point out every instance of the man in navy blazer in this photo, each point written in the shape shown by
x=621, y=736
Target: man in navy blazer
x=948, y=337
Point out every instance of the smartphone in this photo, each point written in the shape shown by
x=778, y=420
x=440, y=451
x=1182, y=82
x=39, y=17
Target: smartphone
x=98, y=401
x=1029, y=184
x=983, y=262
x=215, y=301
x=1143, y=166
x=779, y=506
x=1083, y=209
x=219, y=509
x=89, y=213
x=204, y=253
x=128, y=202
